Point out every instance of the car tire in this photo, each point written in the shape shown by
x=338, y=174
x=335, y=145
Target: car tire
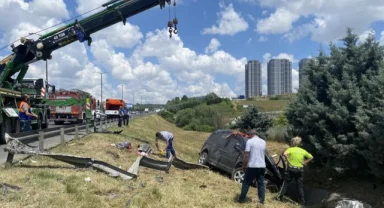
x=203, y=158
x=238, y=175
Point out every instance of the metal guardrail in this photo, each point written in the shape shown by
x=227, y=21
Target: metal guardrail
x=27, y=137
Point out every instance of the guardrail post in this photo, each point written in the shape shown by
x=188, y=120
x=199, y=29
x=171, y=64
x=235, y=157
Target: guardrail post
x=41, y=140
x=10, y=158
x=76, y=131
x=62, y=141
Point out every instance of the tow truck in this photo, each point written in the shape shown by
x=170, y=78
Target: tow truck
x=30, y=51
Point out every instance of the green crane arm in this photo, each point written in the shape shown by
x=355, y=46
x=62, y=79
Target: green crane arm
x=30, y=51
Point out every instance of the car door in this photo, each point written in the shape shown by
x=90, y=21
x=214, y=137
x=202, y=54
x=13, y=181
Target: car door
x=216, y=144
x=230, y=153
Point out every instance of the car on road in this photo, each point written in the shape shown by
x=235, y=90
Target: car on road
x=224, y=150
x=100, y=115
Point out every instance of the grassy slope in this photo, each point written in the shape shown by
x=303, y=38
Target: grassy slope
x=64, y=186
x=265, y=105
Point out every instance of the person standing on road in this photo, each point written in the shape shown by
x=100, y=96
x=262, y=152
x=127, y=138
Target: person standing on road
x=126, y=116
x=296, y=161
x=168, y=138
x=254, y=166
x=121, y=116
x=25, y=114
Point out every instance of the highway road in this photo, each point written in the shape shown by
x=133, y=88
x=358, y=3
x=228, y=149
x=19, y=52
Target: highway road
x=55, y=140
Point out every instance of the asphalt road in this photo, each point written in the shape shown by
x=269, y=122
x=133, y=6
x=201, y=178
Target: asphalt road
x=55, y=140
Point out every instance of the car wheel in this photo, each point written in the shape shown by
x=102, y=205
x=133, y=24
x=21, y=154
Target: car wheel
x=203, y=158
x=238, y=175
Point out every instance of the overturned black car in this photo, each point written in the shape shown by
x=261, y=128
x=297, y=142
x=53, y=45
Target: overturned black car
x=224, y=150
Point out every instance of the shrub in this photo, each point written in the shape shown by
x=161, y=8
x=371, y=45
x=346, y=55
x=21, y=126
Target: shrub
x=252, y=119
x=170, y=117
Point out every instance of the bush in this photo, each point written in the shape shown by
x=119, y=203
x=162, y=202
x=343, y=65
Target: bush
x=170, y=117
x=338, y=110
x=278, y=133
x=252, y=119
x=281, y=120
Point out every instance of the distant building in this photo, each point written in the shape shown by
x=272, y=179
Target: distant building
x=279, y=77
x=252, y=79
x=302, y=64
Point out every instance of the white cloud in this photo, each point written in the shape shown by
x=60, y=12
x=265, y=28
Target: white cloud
x=230, y=22
x=278, y=22
x=364, y=35
x=263, y=39
x=213, y=46
x=174, y=69
x=382, y=38
x=330, y=18
x=28, y=17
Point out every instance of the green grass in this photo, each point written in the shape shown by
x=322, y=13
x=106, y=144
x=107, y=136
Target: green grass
x=264, y=105
x=63, y=186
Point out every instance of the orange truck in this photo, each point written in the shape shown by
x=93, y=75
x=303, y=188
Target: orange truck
x=74, y=108
x=112, y=106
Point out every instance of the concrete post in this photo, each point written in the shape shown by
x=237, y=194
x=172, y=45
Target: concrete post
x=41, y=140
x=76, y=132
x=62, y=141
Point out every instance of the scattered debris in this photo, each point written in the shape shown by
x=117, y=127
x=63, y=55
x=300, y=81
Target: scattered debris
x=203, y=186
x=87, y=179
x=112, y=195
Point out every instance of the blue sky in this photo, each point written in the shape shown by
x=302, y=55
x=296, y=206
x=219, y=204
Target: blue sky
x=142, y=58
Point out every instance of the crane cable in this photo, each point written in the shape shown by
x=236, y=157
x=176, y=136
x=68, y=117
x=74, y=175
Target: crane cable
x=53, y=26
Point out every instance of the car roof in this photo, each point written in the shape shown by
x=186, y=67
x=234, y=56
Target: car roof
x=230, y=132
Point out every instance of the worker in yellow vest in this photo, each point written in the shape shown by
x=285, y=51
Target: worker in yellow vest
x=25, y=114
x=297, y=158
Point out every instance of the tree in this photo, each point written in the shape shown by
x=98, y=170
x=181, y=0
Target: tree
x=184, y=98
x=338, y=110
x=252, y=119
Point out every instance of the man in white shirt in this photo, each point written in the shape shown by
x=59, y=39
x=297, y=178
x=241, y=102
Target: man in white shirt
x=254, y=166
x=168, y=138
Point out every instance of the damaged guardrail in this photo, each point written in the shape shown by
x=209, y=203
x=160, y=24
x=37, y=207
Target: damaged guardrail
x=14, y=146
x=41, y=135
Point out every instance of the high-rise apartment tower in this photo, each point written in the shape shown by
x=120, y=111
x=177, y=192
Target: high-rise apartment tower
x=252, y=79
x=279, y=77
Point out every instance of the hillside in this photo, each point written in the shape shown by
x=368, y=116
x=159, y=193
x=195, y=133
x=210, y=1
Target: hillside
x=264, y=105
x=40, y=177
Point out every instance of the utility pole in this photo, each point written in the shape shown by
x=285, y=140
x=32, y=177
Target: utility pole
x=122, y=91
x=101, y=88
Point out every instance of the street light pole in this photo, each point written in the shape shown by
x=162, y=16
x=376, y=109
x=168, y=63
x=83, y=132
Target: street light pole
x=101, y=88
x=122, y=91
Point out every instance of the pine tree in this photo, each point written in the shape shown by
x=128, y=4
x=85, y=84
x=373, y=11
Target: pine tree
x=338, y=110
x=252, y=119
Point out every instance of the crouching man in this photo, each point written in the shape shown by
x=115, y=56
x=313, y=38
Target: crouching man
x=296, y=161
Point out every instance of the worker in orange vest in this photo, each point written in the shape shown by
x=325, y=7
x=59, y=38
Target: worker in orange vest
x=25, y=114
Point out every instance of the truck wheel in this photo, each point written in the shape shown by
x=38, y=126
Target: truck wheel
x=5, y=128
